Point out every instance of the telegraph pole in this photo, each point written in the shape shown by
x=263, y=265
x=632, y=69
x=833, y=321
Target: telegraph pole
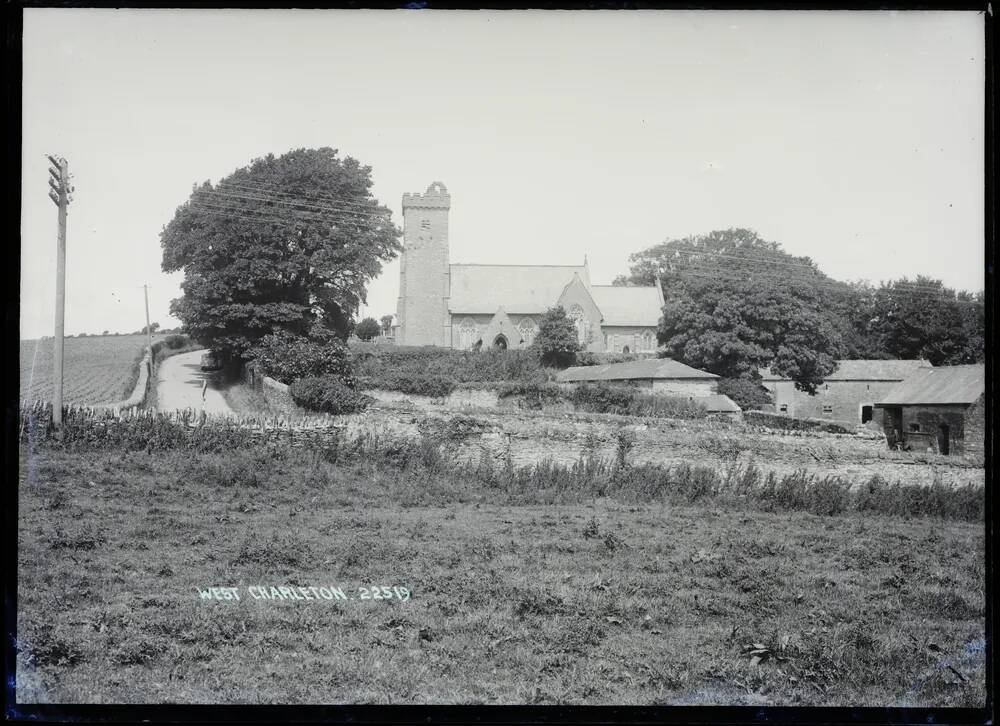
x=149, y=333
x=60, y=194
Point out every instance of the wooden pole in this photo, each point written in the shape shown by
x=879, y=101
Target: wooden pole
x=62, y=201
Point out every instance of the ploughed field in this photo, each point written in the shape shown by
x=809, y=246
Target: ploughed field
x=96, y=369
x=591, y=600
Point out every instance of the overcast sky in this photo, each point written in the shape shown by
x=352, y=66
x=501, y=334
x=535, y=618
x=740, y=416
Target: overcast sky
x=854, y=138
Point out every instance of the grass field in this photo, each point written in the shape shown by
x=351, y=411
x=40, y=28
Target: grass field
x=96, y=369
x=593, y=601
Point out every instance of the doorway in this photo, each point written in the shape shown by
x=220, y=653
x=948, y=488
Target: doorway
x=944, y=439
x=866, y=414
x=500, y=342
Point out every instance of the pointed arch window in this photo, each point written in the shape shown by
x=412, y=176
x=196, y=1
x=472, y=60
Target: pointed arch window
x=579, y=319
x=527, y=329
x=467, y=334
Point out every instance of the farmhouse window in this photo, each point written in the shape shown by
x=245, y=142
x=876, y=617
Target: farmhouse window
x=827, y=409
x=914, y=427
x=783, y=408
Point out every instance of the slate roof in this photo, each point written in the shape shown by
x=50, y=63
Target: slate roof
x=533, y=289
x=939, y=385
x=525, y=289
x=864, y=370
x=656, y=368
x=638, y=306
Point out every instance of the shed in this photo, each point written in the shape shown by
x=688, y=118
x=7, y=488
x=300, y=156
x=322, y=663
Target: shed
x=661, y=375
x=938, y=409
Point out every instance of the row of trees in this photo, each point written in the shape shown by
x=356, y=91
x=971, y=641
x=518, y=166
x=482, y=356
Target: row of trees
x=279, y=254
x=736, y=303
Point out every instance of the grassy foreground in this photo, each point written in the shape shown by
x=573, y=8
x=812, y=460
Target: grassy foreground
x=596, y=601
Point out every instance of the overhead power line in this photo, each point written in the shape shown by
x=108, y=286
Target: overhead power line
x=294, y=204
x=734, y=276
x=363, y=203
x=779, y=263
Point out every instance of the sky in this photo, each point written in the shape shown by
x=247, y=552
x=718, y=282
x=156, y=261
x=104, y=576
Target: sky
x=855, y=138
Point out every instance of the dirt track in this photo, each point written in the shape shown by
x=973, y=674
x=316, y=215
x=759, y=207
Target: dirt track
x=179, y=384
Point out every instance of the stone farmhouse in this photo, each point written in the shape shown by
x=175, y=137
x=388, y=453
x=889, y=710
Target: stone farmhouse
x=847, y=395
x=471, y=306
x=940, y=409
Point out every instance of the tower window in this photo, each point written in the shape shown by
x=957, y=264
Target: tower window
x=425, y=224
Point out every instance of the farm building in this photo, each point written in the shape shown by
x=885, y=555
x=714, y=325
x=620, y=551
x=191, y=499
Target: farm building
x=661, y=375
x=937, y=409
x=658, y=375
x=847, y=395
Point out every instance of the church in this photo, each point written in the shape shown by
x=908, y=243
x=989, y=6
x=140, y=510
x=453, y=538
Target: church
x=476, y=306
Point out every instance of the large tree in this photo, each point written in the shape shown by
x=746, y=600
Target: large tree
x=285, y=244
x=735, y=303
x=922, y=318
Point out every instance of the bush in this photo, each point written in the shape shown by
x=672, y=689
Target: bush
x=328, y=394
x=288, y=358
x=176, y=341
x=418, y=370
x=787, y=423
x=367, y=329
x=745, y=393
x=603, y=398
x=556, y=340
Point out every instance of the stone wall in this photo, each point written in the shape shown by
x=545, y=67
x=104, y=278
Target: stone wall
x=141, y=389
x=920, y=426
x=834, y=400
x=637, y=339
x=670, y=387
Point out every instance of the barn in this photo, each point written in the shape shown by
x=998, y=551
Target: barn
x=939, y=409
x=847, y=395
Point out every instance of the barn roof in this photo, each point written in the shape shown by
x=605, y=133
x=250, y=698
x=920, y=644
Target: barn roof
x=650, y=368
x=620, y=305
x=864, y=370
x=483, y=289
x=939, y=385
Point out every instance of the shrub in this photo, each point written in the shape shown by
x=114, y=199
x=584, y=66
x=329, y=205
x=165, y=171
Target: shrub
x=408, y=369
x=176, y=341
x=556, y=341
x=287, y=357
x=328, y=394
x=787, y=423
x=603, y=398
x=745, y=393
x=367, y=329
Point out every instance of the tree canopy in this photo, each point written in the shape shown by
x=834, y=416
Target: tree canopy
x=736, y=303
x=286, y=243
x=556, y=340
x=367, y=329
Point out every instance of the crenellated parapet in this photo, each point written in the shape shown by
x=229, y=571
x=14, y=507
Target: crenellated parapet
x=436, y=197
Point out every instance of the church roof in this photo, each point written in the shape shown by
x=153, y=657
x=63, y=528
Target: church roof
x=532, y=289
x=638, y=306
x=517, y=289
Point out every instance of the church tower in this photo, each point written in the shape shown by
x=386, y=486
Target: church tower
x=422, y=311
